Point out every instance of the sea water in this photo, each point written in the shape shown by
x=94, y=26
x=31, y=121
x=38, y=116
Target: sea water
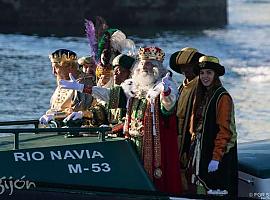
x=243, y=47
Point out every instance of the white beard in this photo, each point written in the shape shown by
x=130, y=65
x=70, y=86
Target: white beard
x=141, y=84
x=144, y=81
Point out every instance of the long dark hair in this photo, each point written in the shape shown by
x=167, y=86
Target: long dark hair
x=200, y=94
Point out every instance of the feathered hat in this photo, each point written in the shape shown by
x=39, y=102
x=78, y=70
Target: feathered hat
x=114, y=40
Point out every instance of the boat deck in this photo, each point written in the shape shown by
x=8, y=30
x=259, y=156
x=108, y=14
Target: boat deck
x=27, y=141
x=253, y=158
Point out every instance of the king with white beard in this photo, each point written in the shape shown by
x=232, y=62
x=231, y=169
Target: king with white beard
x=150, y=122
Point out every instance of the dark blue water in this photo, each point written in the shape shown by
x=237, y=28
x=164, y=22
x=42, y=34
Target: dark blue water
x=26, y=82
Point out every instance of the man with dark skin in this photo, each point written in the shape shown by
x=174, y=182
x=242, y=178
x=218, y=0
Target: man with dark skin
x=184, y=62
x=122, y=65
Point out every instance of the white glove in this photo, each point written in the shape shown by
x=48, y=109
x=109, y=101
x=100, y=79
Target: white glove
x=152, y=94
x=71, y=84
x=74, y=116
x=213, y=166
x=44, y=119
x=166, y=82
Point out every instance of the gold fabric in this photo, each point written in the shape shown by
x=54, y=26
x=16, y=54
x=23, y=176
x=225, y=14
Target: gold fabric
x=101, y=70
x=185, y=102
x=115, y=115
x=209, y=59
x=64, y=102
x=184, y=57
x=61, y=102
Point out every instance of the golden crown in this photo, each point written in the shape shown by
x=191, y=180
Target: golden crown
x=101, y=70
x=62, y=55
x=151, y=53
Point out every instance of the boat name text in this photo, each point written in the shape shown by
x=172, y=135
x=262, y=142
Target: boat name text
x=57, y=155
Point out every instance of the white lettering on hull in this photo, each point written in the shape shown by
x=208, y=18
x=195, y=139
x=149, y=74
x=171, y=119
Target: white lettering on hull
x=57, y=155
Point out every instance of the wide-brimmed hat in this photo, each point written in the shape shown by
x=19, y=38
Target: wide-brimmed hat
x=211, y=62
x=124, y=61
x=185, y=57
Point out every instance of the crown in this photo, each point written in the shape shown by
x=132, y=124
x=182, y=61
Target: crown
x=61, y=55
x=151, y=53
x=102, y=70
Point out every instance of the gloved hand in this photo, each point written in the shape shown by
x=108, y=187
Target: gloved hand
x=166, y=82
x=152, y=94
x=71, y=84
x=74, y=116
x=44, y=119
x=213, y=166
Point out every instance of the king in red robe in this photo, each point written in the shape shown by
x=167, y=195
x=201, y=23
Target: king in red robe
x=151, y=121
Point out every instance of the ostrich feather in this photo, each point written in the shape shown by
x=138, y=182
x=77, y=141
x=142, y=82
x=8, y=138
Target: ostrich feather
x=91, y=36
x=101, y=26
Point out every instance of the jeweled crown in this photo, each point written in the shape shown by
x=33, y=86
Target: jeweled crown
x=151, y=53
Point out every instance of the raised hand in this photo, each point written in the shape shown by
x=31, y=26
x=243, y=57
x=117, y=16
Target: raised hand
x=71, y=84
x=213, y=166
x=166, y=82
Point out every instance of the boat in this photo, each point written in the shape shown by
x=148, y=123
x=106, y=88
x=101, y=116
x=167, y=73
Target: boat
x=254, y=169
x=41, y=163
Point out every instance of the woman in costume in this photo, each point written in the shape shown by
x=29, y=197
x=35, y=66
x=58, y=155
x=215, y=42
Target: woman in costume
x=213, y=162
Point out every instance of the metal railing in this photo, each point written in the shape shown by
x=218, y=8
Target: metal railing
x=17, y=131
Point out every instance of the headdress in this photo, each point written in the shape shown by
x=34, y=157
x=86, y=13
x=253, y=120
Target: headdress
x=61, y=55
x=85, y=60
x=101, y=70
x=91, y=37
x=211, y=62
x=104, y=44
x=115, y=40
x=184, y=57
x=123, y=61
x=151, y=53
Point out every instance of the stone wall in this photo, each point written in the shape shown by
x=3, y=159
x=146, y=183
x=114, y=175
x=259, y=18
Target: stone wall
x=67, y=16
